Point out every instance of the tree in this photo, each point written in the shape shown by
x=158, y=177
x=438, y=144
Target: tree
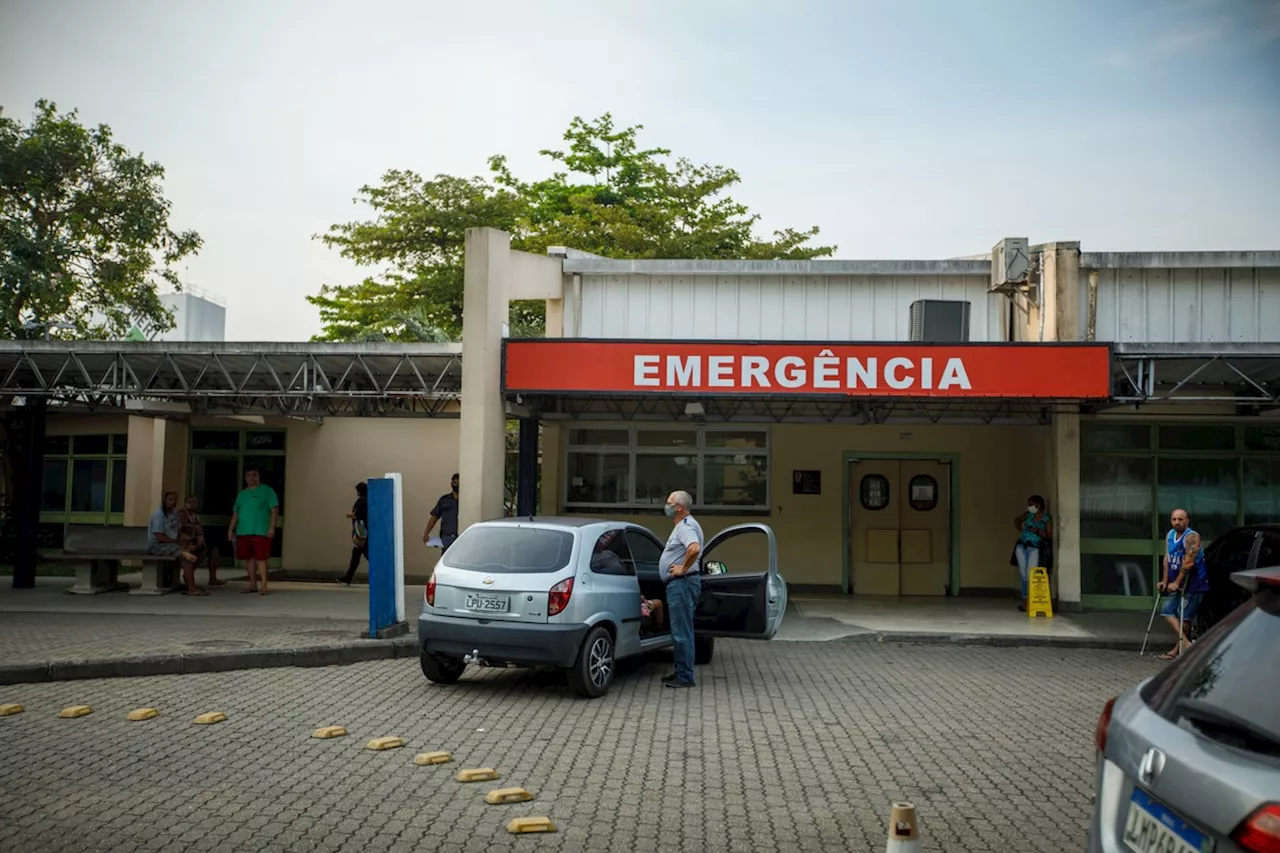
x=84, y=230
x=606, y=195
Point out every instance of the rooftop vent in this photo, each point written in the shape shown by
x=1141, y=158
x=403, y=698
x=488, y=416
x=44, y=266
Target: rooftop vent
x=940, y=320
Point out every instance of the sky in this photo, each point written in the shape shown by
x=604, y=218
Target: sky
x=910, y=129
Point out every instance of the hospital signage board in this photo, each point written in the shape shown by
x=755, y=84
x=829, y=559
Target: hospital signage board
x=728, y=368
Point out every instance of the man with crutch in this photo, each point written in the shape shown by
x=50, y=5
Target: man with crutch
x=1184, y=578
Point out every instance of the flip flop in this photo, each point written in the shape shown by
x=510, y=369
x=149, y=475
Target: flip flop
x=1169, y=655
x=198, y=592
x=218, y=582
x=248, y=590
x=266, y=592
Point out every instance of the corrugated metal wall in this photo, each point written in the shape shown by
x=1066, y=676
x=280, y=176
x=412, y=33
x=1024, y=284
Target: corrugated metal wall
x=791, y=308
x=1233, y=305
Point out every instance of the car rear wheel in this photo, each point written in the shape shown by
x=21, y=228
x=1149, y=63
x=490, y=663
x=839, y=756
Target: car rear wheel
x=593, y=672
x=440, y=670
x=704, y=648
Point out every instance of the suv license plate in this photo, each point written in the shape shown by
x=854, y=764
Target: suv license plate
x=1152, y=826
x=488, y=603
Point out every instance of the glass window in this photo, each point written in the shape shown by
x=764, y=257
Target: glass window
x=1268, y=552
x=271, y=469
x=1233, y=550
x=873, y=491
x=610, y=556
x=1117, y=574
x=53, y=491
x=90, y=444
x=645, y=550
x=1261, y=491
x=740, y=480
x=1104, y=436
x=1262, y=438
x=215, y=481
x=511, y=549
x=260, y=440
x=120, y=444
x=599, y=478
x=89, y=485
x=215, y=439
x=1205, y=488
x=597, y=437
x=118, y=472
x=667, y=438
x=1224, y=685
x=57, y=445
x=659, y=476
x=922, y=493
x=1115, y=498
x=1197, y=437
x=737, y=438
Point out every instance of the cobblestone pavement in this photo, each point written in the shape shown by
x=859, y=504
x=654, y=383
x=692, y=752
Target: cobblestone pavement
x=784, y=746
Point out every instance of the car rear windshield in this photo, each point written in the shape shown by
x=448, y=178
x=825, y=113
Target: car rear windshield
x=1230, y=692
x=502, y=548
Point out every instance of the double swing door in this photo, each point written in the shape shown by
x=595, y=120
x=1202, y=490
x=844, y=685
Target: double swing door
x=900, y=526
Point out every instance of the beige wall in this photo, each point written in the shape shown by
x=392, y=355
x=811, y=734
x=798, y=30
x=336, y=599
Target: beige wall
x=998, y=467
x=327, y=460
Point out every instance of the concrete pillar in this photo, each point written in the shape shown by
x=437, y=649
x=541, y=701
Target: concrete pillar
x=144, y=482
x=482, y=450
x=1066, y=509
x=1060, y=274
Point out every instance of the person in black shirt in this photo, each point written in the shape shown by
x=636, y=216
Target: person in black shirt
x=446, y=513
x=359, y=516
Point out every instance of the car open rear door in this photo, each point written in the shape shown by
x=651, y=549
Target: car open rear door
x=748, y=599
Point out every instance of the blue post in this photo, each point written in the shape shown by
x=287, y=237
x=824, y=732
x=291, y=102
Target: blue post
x=382, y=560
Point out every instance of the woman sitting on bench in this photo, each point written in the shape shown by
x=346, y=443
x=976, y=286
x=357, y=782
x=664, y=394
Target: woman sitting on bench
x=162, y=541
x=191, y=537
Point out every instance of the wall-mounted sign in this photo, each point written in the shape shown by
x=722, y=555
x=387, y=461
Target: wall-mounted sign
x=584, y=368
x=806, y=482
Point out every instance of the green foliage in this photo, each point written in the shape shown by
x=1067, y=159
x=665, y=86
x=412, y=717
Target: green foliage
x=84, y=230
x=606, y=195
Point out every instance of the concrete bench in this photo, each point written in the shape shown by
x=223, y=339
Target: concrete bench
x=96, y=553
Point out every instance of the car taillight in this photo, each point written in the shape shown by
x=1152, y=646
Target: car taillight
x=1104, y=723
x=558, y=598
x=1261, y=832
x=431, y=591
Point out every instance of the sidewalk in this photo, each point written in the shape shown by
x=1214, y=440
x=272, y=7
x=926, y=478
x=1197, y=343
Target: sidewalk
x=47, y=635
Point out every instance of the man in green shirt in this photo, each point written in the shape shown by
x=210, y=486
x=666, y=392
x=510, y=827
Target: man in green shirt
x=253, y=526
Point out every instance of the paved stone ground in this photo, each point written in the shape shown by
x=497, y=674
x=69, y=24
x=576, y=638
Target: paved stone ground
x=784, y=746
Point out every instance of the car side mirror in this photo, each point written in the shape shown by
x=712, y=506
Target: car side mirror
x=716, y=568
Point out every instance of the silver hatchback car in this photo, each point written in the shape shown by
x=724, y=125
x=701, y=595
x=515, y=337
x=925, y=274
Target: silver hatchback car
x=567, y=593
x=1189, y=760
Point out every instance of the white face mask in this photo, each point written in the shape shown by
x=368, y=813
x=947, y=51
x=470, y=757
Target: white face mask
x=1032, y=510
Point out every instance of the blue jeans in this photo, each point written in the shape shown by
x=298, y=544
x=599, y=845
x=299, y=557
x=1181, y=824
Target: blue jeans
x=682, y=599
x=1190, y=604
x=1028, y=559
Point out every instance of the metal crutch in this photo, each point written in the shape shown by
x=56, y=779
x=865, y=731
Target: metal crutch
x=1150, y=622
x=1182, y=626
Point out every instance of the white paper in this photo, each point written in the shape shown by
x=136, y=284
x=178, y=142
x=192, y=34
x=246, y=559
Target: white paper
x=434, y=542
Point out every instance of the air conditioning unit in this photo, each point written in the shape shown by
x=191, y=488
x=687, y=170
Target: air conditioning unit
x=1010, y=264
x=940, y=320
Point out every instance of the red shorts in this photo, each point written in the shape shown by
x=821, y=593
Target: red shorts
x=253, y=548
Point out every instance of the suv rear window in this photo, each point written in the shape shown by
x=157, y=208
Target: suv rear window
x=502, y=548
x=1223, y=692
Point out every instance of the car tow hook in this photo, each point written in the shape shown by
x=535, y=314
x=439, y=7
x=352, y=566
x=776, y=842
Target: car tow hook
x=474, y=658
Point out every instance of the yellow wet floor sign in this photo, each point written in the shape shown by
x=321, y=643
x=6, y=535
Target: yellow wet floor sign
x=1038, y=597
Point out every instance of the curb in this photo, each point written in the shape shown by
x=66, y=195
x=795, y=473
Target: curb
x=188, y=663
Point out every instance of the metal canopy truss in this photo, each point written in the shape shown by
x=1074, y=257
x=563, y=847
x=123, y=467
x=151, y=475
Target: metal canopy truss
x=291, y=379
x=1244, y=374
x=794, y=410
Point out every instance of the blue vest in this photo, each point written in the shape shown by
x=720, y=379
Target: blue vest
x=1198, y=576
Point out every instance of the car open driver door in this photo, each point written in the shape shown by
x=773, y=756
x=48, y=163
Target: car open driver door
x=746, y=596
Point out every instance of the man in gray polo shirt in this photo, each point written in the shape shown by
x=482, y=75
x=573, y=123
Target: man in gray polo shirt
x=680, y=571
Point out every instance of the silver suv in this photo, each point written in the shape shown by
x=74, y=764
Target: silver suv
x=567, y=593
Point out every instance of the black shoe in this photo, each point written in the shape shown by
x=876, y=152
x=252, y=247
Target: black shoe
x=679, y=684
x=668, y=678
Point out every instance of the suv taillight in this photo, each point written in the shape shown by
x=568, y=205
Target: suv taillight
x=431, y=591
x=1261, y=832
x=1104, y=723
x=558, y=598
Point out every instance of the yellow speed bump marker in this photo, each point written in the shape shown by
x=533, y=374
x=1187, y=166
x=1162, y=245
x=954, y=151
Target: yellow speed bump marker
x=423, y=759
x=502, y=796
x=143, y=714
x=210, y=718
x=477, y=774
x=330, y=731
x=6, y=710
x=384, y=743
x=75, y=711
x=519, y=825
